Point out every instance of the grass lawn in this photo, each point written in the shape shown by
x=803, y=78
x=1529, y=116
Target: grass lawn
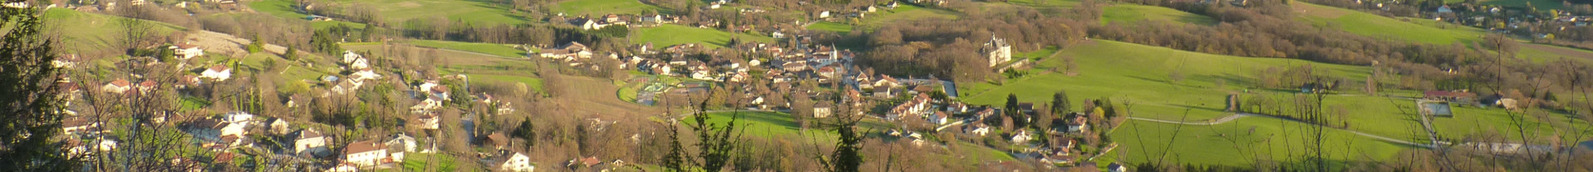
x=906, y=12
x=1239, y=143
x=86, y=32
x=534, y=83
x=669, y=34
x=419, y=162
x=279, y=8
x=1135, y=13
x=832, y=27
x=1140, y=74
x=603, y=7
x=480, y=13
x=284, y=9
x=1037, y=54
x=1416, y=30
x=505, y=50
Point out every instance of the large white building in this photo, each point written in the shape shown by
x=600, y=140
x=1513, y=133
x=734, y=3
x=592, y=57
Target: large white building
x=997, y=50
x=514, y=162
x=365, y=154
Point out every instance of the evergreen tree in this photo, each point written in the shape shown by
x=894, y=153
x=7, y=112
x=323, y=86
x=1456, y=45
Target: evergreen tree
x=1060, y=103
x=29, y=101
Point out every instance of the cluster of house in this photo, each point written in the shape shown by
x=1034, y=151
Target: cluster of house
x=232, y=131
x=594, y=23
x=359, y=69
x=862, y=12
x=1573, y=20
x=1466, y=97
x=366, y=154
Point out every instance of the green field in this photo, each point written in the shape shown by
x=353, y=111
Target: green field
x=831, y=26
x=480, y=13
x=284, y=9
x=505, y=50
x=1140, y=74
x=84, y=32
x=279, y=8
x=1239, y=143
x=669, y=34
x=904, y=12
x=1416, y=30
x=1135, y=13
x=596, y=8
x=534, y=83
x=437, y=162
x=780, y=125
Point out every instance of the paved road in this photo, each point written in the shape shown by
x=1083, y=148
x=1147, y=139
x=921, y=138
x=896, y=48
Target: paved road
x=1230, y=118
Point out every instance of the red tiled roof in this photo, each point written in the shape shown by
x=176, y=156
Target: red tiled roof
x=121, y=83
x=218, y=68
x=361, y=147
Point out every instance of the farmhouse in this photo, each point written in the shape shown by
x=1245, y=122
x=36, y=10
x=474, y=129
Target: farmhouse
x=217, y=72
x=186, y=51
x=118, y=86
x=79, y=125
x=308, y=141
x=513, y=162
x=350, y=56
x=571, y=51
x=365, y=154
x=428, y=121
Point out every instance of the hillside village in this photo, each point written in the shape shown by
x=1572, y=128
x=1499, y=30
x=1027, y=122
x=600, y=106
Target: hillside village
x=913, y=85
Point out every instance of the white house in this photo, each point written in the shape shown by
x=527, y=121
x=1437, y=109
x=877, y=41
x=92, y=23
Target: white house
x=571, y=51
x=309, y=141
x=119, y=86
x=186, y=51
x=514, y=162
x=365, y=154
x=1021, y=137
x=217, y=72
x=402, y=141
x=428, y=121
x=365, y=74
x=349, y=56
x=360, y=63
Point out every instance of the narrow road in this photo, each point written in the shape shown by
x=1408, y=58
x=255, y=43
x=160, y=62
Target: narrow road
x=1230, y=118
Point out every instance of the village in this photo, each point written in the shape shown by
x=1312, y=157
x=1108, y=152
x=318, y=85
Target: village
x=724, y=85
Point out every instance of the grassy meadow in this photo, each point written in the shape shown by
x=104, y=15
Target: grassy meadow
x=603, y=7
x=670, y=34
x=1137, y=13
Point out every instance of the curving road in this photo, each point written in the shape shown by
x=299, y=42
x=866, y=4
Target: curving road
x=1230, y=118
